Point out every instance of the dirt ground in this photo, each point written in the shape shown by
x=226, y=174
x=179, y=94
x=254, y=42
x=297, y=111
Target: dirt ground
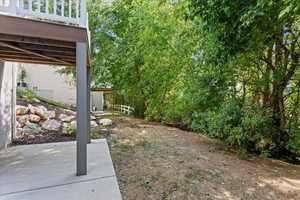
x=155, y=162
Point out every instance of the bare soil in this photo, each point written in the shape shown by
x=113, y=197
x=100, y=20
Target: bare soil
x=156, y=162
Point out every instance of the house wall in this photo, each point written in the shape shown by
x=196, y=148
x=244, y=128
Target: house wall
x=7, y=103
x=47, y=83
x=97, y=101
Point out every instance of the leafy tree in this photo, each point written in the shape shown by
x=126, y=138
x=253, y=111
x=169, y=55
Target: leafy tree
x=262, y=39
x=226, y=68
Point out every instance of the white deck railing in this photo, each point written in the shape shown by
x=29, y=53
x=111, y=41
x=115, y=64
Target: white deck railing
x=123, y=109
x=67, y=11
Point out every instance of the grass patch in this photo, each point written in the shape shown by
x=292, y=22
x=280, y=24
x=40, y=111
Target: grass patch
x=125, y=147
x=30, y=96
x=143, y=143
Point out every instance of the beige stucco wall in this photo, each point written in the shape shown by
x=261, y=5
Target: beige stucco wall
x=7, y=102
x=47, y=83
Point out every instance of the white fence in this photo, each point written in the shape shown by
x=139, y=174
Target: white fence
x=123, y=109
x=68, y=11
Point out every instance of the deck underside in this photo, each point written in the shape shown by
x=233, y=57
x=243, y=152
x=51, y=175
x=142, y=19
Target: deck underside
x=31, y=41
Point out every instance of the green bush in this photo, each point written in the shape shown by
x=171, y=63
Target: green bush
x=294, y=142
x=244, y=127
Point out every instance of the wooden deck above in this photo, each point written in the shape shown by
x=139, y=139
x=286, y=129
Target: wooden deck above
x=31, y=41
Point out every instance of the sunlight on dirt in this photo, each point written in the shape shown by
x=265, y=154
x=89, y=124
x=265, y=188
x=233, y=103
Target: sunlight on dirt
x=155, y=162
x=285, y=185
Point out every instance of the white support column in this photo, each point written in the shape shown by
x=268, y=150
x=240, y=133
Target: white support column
x=83, y=122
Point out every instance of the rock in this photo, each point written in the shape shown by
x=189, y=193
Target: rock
x=65, y=125
x=21, y=110
x=23, y=120
x=31, y=128
x=18, y=125
x=73, y=123
x=94, y=124
x=49, y=114
x=66, y=118
x=36, y=100
x=19, y=132
x=70, y=112
x=62, y=116
x=31, y=137
x=40, y=111
x=51, y=125
x=34, y=118
x=93, y=117
x=105, y=122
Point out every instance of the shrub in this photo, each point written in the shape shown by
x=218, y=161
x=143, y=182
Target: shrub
x=245, y=127
x=294, y=142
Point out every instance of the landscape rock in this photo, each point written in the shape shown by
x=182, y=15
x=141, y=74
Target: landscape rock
x=70, y=112
x=34, y=118
x=49, y=114
x=51, y=125
x=65, y=125
x=31, y=128
x=21, y=110
x=93, y=117
x=66, y=118
x=23, y=120
x=73, y=123
x=105, y=122
x=31, y=137
x=19, y=132
x=36, y=100
x=18, y=125
x=94, y=124
x=40, y=110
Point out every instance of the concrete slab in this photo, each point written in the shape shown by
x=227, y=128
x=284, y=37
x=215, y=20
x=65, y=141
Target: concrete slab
x=48, y=171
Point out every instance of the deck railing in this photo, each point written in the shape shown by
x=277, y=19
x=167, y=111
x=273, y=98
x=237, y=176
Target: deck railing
x=67, y=11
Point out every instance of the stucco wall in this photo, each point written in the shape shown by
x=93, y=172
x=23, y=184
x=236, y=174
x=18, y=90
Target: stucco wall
x=7, y=105
x=47, y=83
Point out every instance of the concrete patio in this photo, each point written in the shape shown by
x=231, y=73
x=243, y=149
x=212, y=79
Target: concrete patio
x=48, y=171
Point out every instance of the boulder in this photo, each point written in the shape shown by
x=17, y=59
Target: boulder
x=49, y=114
x=18, y=125
x=19, y=132
x=40, y=110
x=73, y=123
x=36, y=100
x=94, y=124
x=21, y=110
x=105, y=122
x=23, y=119
x=30, y=137
x=34, y=118
x=93, y=117
x=31, y=128
x=65, y=125
x=70, y=112
x=66, y=118
x=51, y=125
